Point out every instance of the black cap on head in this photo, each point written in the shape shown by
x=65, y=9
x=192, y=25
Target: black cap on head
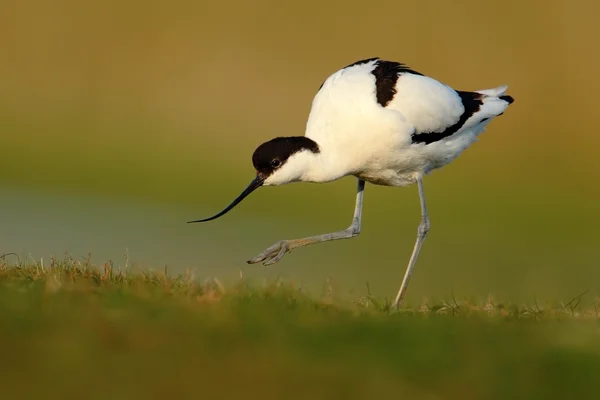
x=271, y=155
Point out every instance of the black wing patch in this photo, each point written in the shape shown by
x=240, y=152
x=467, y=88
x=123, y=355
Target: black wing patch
x=471, y=101
x=386, y=75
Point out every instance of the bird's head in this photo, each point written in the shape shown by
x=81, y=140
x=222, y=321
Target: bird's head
x=277, y=162
x=284, y=159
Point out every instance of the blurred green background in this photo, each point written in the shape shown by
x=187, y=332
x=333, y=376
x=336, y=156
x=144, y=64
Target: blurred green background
x=121, y=120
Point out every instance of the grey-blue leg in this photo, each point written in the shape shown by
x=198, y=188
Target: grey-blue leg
x=421, y=234
x=276, y=252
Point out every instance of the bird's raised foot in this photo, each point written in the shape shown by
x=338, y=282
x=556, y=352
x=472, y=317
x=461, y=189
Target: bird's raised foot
x=272, y=254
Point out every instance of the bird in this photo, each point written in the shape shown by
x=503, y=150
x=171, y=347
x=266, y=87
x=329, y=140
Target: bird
x=383, y=123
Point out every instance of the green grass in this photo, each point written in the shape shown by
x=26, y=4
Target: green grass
x=72, y=330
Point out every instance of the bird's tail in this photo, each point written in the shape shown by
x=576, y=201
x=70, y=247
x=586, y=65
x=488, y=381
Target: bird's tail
x=498, y=92
x=493, y=103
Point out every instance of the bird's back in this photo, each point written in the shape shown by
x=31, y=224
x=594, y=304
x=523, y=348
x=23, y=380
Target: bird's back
x=385, y=111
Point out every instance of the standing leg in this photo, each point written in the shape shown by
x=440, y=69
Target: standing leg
x=421, y=234
x=276, y=252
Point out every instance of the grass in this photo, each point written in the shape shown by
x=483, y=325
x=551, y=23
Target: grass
x=73, y=330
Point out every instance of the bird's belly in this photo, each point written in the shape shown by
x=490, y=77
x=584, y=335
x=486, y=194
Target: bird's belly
x=388, y=177
x=402, y=169
x=413, y=161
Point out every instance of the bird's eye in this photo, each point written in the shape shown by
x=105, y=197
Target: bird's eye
x=275, y=163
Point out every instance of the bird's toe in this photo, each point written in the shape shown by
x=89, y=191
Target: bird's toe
x=261, y=257
x=272, y=254
x=276, y=257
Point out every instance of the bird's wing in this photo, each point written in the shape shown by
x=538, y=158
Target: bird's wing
x=437, y=111
x=346, y=105
x=353, y=97
x=429, y=105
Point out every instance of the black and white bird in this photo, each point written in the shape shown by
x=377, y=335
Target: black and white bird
x=383, y=123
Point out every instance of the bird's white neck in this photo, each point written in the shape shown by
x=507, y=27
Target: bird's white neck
x=306, y=166
x=318, y=167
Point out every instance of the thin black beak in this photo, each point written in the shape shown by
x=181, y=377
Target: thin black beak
x=255, y=184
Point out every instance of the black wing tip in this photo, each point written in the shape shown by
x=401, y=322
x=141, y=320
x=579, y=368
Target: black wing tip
x=507, y=98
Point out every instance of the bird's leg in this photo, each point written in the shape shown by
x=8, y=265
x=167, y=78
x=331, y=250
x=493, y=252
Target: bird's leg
x=273, y=254
x=421, y=234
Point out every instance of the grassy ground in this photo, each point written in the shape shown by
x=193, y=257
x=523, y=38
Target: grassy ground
x=72, y=330
x=129, y=132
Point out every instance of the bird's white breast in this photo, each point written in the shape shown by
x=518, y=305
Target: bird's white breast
x=354, y=132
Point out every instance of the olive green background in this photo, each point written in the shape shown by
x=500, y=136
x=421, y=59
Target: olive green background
x=121, y=120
